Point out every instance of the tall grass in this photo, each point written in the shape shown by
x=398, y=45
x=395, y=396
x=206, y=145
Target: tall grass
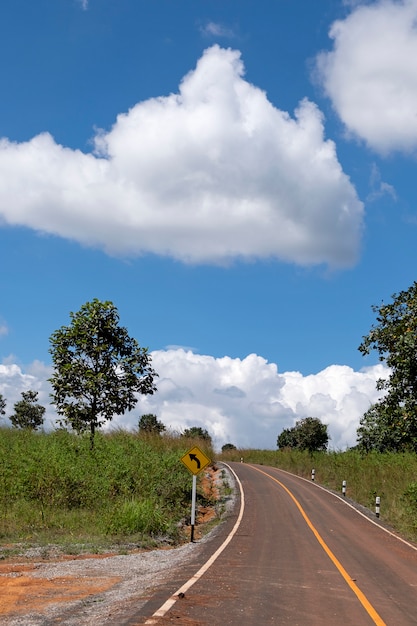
x=391, y=476
x=133, y=488
x=129, y=487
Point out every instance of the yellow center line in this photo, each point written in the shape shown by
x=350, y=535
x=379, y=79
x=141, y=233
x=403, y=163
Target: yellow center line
x=361, y=596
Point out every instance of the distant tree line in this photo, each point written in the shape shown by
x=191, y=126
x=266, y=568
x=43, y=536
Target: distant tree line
x=99, y=370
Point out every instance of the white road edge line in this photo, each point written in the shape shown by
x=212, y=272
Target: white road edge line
x=182, y=590
x=371, y=521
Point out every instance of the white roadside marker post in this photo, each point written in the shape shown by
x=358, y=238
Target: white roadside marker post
x=377, y=505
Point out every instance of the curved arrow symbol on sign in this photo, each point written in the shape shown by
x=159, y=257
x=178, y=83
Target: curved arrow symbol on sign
x=194, y=457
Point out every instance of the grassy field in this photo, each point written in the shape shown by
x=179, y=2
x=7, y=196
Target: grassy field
x=133, y=490
x=130, y=489
x=391, y=476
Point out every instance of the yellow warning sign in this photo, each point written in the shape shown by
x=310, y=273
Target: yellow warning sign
x=195, y=460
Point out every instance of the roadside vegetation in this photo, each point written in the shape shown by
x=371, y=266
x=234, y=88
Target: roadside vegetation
x=384, y=462
x=390, y=475
x=78, y=485
x=131, y=488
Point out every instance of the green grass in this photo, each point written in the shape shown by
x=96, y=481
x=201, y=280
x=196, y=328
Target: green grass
x=130, y=489
x=133, y=490
x=391, y=476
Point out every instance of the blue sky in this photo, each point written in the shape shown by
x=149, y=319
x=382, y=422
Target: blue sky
x=237, y=177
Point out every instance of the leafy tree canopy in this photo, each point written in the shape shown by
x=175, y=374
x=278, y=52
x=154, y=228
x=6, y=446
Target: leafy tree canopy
x=307, y=434
x=392, y=422
x=150, y=424
x=27, y=413
x=98, y=368
x=228, y=446
x=384, y=429
x=196, y=432
x=2, y=405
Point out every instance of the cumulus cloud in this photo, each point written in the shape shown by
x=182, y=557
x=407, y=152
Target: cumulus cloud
x=14, y=380
x=246, y=402
x=212, y=173
x=370, y=74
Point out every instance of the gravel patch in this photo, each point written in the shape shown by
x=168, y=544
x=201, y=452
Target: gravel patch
x=139, y=574
x=106, y=587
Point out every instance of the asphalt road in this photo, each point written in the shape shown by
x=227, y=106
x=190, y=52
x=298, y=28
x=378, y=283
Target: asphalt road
x=299, y=556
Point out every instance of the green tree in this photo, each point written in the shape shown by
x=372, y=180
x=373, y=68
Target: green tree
x=27, y=413
x=383, y=430
x=228, y=446
x=150, y=424
x=98, y=368
x=307, y=434
x=196, y=432
x=2, y=405
x=393, y=419
x=287, y=438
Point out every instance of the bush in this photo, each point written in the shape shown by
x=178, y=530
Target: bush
x=144, y=517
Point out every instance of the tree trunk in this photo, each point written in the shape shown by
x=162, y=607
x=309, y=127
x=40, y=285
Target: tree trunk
x=92, y=433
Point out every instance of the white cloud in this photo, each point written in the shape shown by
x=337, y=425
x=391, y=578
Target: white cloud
x=248, y=402
x=243, y=401
x=13, y=380
x=371, y=75
x=378, y=187
x=214, y=29
x=3, y=329
x=207, y=175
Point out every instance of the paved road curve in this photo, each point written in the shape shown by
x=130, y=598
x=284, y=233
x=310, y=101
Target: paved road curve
x=300, y=556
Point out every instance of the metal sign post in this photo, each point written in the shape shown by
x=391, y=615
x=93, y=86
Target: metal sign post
x=193, y=502
x=195, y=461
